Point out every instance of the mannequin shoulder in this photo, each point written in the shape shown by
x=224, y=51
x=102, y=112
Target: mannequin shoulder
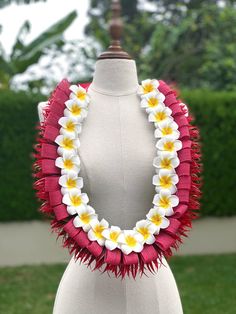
x=41, y=106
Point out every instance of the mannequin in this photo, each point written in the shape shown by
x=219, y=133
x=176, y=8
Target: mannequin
x=116, y=152
x=117, y=149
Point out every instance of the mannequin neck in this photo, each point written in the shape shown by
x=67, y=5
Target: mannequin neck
x=115, y=77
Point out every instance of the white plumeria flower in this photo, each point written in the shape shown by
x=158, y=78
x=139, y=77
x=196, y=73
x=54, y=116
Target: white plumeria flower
x=67, y=143
x=147, y=229
x=79, y=93
x=97, y=228
x=167, y=129
x=111, y=235
x=157, y=217
x=148, y=86
x=164, y=200
x=130, y=240
x=70, y=181
x=152, y=101
x=75, y=201
x=68, y=163
x=165, y=179
x=69, y=126
x=75, y=110
x=166, y=160
x=169, y=144
x=160, y=114
x=84, y=218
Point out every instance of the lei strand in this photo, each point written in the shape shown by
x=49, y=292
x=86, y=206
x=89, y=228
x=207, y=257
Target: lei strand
x=177, y=182
x=165, y=179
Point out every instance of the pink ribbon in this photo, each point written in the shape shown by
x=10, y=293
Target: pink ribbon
x=176, y=109
x=184, y=132
x=183, y=169
x=60, y=212
x=95, y=248
x=170, y=100
x=180, y=210
x=57, y=107
x=148, y=253
x=183, y=196
x=164, y=241
x=113, y=257
x=184, y=182
x=164, y=88
x=70, y=229
x=55, y=198
x=49, y=151
x=50, y=133
x=131, y=258
x=181, y=120
x=186, y=144
x=185, y=155
x=52, y=119
x=82, y=239
x=48, y=167
x=51, y=183
x=174, y=226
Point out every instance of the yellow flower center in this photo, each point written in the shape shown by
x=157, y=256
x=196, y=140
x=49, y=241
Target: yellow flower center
x=98, y=231
x=130, y=240
x=167, y=130
x=114, y=235
x=70, y=126
x=68, y=164
x=160, y=116
x=152, y=102
x=67, y=143
x=147, y=88
x=169, y=146
x=156, y=219
x=164, y=202
x=85, y=217
x=166, y=163
x=165, y=182
x=71, y=183
x=76, y=109
x=81, y=95
x=76, y=200
x=144, y=231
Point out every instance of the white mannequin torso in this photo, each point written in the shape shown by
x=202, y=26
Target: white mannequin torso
x=117, y=150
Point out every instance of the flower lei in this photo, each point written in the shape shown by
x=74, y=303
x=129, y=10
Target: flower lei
x=176, y=181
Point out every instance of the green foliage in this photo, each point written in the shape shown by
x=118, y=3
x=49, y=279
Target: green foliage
x=24, y=55
x=17, y=133
x=198, y=52
x=188, y=42
x=215, y=114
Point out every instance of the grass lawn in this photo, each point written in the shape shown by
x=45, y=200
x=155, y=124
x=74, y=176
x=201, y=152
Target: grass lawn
x=207, y=285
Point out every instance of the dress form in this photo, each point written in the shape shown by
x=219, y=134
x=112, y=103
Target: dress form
x=117, y=150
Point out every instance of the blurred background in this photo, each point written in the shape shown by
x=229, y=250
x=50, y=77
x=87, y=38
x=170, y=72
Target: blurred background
x=189, y=43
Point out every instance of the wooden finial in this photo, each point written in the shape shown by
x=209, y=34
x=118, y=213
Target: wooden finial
x=115, y=50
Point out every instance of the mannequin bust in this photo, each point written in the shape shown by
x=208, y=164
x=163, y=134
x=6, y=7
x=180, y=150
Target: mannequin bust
x=116, y=152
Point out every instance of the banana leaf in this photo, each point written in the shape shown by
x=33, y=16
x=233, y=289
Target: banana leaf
x=24, y=56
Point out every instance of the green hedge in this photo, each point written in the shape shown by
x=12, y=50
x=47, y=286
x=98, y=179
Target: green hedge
x=18, y=112
x=215, y=115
